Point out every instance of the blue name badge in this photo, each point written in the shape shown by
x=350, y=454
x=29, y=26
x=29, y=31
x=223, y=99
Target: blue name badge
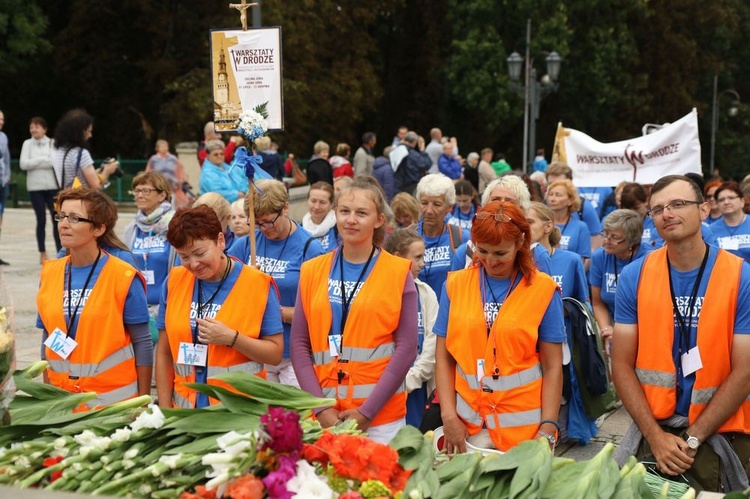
x=60, y=343
x=192, y=354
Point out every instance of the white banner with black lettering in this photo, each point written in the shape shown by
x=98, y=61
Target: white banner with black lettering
x=671, y=150
x=246, y=70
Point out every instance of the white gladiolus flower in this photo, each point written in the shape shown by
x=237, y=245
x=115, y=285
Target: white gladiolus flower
x=22, y=462
x=60, y=443
x=122, y=435
x=171, y=461
x=307, y=484
x=127, y=463
x=217, y=458
x=144, y=489
x=77, y=467
x=85, y=438
x=130, y=453
x=153, y=419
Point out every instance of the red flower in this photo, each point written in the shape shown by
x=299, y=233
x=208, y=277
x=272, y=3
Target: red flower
x=51, y=461
x=245, y=487
x=350, y=495
x=200, y=493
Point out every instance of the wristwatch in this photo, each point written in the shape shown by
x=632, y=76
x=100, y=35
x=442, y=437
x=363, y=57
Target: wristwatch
x=692, y=442
x=550, y=438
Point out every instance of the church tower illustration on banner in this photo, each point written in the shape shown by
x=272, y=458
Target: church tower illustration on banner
x=222, y=85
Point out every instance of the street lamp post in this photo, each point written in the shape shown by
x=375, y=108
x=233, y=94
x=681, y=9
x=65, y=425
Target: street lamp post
x=715, y=116
x=534, y=91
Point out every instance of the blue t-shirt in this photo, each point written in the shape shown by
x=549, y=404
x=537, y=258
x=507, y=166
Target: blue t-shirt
x=710, y=220
x=437, y=257
x=460, y=218
x=566, y=268
x=539, y=252
x=151, y=252
x=124, y=255
x=590, y=218
x=605, y=271
x=355, y=275
x=281, y=260
x=575, y=237
x=551, y=329
x=595, y=196
x=270, y=324
x=650, y=236
x=735, y=240
x=330, y=240
x=626, y=311
x=136, y=308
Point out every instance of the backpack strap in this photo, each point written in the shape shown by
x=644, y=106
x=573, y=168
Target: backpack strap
x=455, y=235
x=307, y=245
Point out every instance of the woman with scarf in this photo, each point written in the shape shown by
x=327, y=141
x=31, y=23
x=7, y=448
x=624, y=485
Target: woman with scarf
x=146, y=236
x=320, y=220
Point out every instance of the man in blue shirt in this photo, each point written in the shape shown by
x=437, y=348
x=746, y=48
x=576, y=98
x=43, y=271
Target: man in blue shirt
x=686, y=382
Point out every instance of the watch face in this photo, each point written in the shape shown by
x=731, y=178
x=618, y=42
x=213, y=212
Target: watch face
x=693, y=443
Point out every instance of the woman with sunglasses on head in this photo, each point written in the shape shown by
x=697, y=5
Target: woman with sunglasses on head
x=282, y=247
x=621, y=237
x=499, y=340
x=215, y=315
x=89, y=293
x=354, y=333
x=732, y=230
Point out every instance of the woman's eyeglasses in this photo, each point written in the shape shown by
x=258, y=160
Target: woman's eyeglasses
x=143, y=190
x=268, y=224
x=611, y=238
x=72, y=218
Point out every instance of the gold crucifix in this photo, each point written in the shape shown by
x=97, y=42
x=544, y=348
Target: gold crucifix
x=242, y=7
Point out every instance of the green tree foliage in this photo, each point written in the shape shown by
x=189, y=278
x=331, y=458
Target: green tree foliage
x=22, y=26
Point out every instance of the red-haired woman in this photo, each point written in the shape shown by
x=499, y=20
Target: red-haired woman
x=499, y=340
x=215, y=316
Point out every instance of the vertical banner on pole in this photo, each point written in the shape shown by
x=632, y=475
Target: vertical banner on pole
x=247, y=74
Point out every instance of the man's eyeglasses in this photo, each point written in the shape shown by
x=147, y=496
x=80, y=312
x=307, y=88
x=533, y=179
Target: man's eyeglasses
x=611, y=238
x=143, y=190
x=268, y=224
x=72, y=218
x=675, y=205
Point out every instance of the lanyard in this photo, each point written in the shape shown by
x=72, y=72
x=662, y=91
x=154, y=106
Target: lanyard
x=346, y=301
x=72, y=315
x=490, y=331
x=684, y=329
x=614, y=264
x=202, y=305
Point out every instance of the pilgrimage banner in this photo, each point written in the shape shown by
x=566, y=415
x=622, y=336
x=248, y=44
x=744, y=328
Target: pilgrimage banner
x=246, y=70
x=673, y=149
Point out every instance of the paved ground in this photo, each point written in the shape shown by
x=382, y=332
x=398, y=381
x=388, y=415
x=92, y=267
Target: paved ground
x=19, y=282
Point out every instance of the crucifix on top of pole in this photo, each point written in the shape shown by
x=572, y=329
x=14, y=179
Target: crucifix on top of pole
x=242, y=7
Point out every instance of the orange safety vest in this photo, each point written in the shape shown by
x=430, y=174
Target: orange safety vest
x=510, y=407
x=104, y=360
x=242, y=310
x=654, y=365
x=367, y=343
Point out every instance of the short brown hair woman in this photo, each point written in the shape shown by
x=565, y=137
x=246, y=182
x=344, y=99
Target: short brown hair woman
x=215, y=316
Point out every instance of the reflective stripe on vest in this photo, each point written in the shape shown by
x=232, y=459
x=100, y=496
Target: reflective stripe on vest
x=246, y=367
x=513, y=419
x=116, y=395
x=356, y=354
x=470, y=379
x=88, y=370
x=183, y=370
x=512, y=381
x=656, y=378
x=465, y=412
x=704, y=396
x=360, y=391
x=181, y=401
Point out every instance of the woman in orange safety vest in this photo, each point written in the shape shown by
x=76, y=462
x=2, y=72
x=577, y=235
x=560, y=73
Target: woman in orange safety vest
x=92, y=307
x=499, y=340
x=216, y=315
x=354, y=331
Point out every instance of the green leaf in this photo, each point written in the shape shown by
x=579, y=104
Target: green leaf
x=199, y=446
x=234, y=402
x=274, y=394
x=207, y=422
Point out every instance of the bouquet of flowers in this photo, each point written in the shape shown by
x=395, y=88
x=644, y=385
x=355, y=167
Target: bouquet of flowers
x=253, y=124
x=274, y=462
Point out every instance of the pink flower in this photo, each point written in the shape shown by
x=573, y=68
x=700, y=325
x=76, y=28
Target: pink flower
x=276, y=481
x=284, y=429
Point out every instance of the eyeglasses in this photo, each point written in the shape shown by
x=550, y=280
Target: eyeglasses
x=675, y=205
x=72, y=218
x=143, y=190
x=266, y=224
x=611, y=238
x=499, y=216
x=727, y=199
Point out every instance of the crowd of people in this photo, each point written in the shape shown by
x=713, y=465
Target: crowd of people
x=419, y=288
